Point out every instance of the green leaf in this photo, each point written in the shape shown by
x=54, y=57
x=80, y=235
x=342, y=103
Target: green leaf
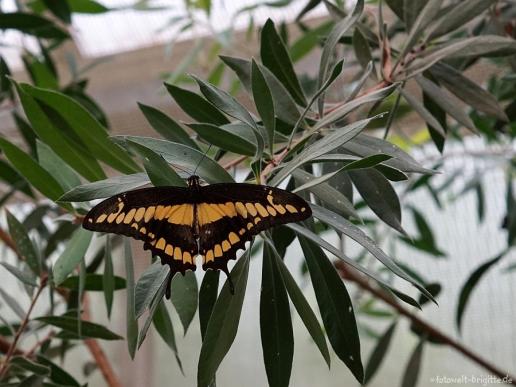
x=10, y=176
x=60, y=9
x=207, y=298
x=445, y=102
x=224, y=138
x=411, y=374
x=72, y=255
x=57, y=374
x=109, y=281
x=275, y=323
x=23, y=243
x=73, y=153
x=131, y=321
x=196, y=106
x=185, y=157
x=411, y=10
x=264, y=102
x=229, y=105
x=284, y=105
x=87, y=6
x=423, y=112
x=93, y=283
x=86, y=127
x=223, y=324
x=165, y=329
x=276, y=58
x=29, y=365
x=325, y=145
x=148, y=285
x=362, y=49
x=308, y=41
x=458, y=16
x=184, y=295
x=25, y=277
x=105, y=188
x=379, y=195
x=49, y=160
x=331, y=42
x=31, y=170
x=166, y=126
x=88, y=329
x=303, y=308
x=13, y=304
x=335, y=306
x=378, y=353
x=366, y=162
x=159, y=171
x=469, y=286
x=347, y=228
x=468, y=91
x=32, y=24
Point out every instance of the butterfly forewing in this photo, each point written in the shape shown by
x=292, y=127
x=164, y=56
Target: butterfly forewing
x=214, y=221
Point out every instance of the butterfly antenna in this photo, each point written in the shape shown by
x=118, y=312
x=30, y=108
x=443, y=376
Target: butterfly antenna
x=202, y=158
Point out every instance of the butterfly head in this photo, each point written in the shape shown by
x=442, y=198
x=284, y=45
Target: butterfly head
x=193, y=181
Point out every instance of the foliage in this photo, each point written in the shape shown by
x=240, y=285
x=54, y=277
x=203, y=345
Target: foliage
x=299, y=131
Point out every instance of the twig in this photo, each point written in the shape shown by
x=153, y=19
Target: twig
x=234, y=162
x=12, y=348
x=98, y=354
x=6, y=238
x=351, y=275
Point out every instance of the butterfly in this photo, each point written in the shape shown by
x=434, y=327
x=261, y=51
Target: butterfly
x=179, y=223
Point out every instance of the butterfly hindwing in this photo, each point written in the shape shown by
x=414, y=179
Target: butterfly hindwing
x=234, y=213
x=162, y=217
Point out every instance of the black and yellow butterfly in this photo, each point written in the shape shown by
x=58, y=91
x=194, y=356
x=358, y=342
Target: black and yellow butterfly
x=213, y=221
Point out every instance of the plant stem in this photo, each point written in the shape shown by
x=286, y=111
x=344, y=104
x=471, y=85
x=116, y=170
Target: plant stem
x=12, y=348
x=351, y=275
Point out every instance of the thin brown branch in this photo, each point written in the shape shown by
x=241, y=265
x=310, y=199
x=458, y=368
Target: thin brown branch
x=98, y=354
x=6, y=238
x=352, y=275
x=234, y=162
x=21, y=329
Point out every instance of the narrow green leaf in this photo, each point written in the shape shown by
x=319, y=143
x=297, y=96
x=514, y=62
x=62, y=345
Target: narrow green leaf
x=92, y=282
x=378, y=353
x=308, y=41
x=72, y=152
x=49, y=160
x=60, y=9
x=264, y=102
x=276, y=58
x=362, y=49
x=13, y=304
x=87, y=6
x=31, y=170
x=469, y=286
x=196, y=106
x=224, y=139
x=185, y=157
x=275, y=323
x=131, y=321
x=166, y=126
x=57, y=374
x=411, y=10
x=355, y=233
x=423, y=112
x=148, y=285
x=331, y=42
x=88, y=329
x=379, y=195
x=23, y=276
x=32, y=24
x=303, y=308
x=29, y=365
x=223, y=324
x=86, y=127
x=207, y=298
x=335, y=306
x=108, y=278
x=163, y=324
x=105, y=188
x=411, y=375
x=159, y=171
x=23, y=243
x=184, y=295
x=72, y=255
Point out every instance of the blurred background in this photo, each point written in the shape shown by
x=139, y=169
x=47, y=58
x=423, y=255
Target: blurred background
x=127, y=53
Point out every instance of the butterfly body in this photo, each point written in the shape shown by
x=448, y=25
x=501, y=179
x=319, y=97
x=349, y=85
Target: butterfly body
x=179, y=223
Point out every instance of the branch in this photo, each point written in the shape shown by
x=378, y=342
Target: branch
x=346, y=273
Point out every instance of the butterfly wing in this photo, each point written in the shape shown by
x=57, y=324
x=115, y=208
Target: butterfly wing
x=162, y=217
x=233, y=213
